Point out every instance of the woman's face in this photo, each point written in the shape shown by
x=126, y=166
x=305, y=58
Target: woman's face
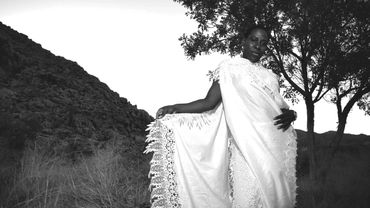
x=255, y=45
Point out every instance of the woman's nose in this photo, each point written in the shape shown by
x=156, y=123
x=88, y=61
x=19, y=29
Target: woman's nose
x=258, y=46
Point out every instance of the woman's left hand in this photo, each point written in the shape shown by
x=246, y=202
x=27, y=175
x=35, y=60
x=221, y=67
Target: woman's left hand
x=284, y=120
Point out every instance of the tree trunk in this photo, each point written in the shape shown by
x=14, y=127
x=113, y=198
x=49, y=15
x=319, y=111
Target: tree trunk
x=339, y=134
x=334, y=146
x=310, y=107
x=342, y=121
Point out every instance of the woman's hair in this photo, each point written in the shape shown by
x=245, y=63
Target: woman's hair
x=249, y=30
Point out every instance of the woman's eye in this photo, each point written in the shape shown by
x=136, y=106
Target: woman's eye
x=254, y=39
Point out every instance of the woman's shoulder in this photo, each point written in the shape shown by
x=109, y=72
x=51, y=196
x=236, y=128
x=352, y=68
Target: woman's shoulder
x=268, y=71
x=225, y=62
x=231, y=64
x=222, y=66
x=273, y=73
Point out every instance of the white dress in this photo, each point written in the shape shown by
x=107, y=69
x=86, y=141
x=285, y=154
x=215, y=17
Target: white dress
x=231, y=156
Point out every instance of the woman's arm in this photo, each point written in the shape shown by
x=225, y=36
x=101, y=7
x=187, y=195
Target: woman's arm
x=209, y=102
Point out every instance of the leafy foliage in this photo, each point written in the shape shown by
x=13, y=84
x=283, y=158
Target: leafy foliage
x=312, y=42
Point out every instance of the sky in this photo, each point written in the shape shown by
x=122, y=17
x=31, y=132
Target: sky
x=133, y=47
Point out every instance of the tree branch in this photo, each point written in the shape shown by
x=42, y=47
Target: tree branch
x=354, y=99
x=348, y=91
x=318, y=79
x=338, y=103
x=319, y=98
x=295, y=55
x=280, y=63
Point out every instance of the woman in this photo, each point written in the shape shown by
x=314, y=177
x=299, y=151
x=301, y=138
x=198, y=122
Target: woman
x=235, y=147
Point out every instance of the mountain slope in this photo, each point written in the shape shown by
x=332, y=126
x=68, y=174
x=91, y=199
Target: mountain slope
x=47, y=96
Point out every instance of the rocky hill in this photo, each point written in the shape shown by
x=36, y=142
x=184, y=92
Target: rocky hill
x=47, y=98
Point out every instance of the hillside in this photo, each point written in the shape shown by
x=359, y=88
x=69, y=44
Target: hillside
x=43, y=96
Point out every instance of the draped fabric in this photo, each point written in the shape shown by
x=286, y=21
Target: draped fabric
x=231, y=156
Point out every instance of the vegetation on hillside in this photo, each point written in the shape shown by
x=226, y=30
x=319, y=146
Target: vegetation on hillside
x=113, y=176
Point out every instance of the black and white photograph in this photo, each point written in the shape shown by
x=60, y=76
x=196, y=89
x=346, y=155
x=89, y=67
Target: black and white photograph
x=184, y=104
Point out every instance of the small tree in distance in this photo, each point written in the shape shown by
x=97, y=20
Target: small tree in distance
x=349, y=74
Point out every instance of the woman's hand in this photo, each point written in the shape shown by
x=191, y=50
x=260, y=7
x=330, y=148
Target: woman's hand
x=169, y=109
x=284, y=120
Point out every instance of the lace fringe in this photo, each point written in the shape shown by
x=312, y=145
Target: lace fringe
x=291, y=152
x=253, y=201
x=194, y=120
x=161, y=142
x=190, y=120
x=290, y=163
x=163, y=183
x=231, y=171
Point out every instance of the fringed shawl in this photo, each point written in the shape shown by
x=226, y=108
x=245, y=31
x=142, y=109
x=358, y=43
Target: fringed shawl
x=190, y=166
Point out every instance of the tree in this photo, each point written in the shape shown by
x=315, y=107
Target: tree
x=301, y=48
x=349, y=63
x=348, y=68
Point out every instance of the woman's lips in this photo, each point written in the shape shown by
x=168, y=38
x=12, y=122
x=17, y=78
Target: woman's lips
x=256, y=54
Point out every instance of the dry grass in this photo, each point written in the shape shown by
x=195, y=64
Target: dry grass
x=116, y=177
x=108, y=178
x=348, y=182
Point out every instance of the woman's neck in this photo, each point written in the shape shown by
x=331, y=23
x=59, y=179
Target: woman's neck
x=253, y=62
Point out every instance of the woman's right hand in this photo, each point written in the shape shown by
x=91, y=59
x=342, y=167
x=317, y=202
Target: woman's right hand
x=169, y=109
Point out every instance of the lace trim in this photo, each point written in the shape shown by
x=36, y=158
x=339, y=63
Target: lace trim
x=291, y=152
x=245, y=191
x=190, y=120
x=162, y=172
x=290, y=163
x=231, y=172
x=196, y=120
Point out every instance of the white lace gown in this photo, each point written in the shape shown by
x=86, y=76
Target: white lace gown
x=231, y=156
